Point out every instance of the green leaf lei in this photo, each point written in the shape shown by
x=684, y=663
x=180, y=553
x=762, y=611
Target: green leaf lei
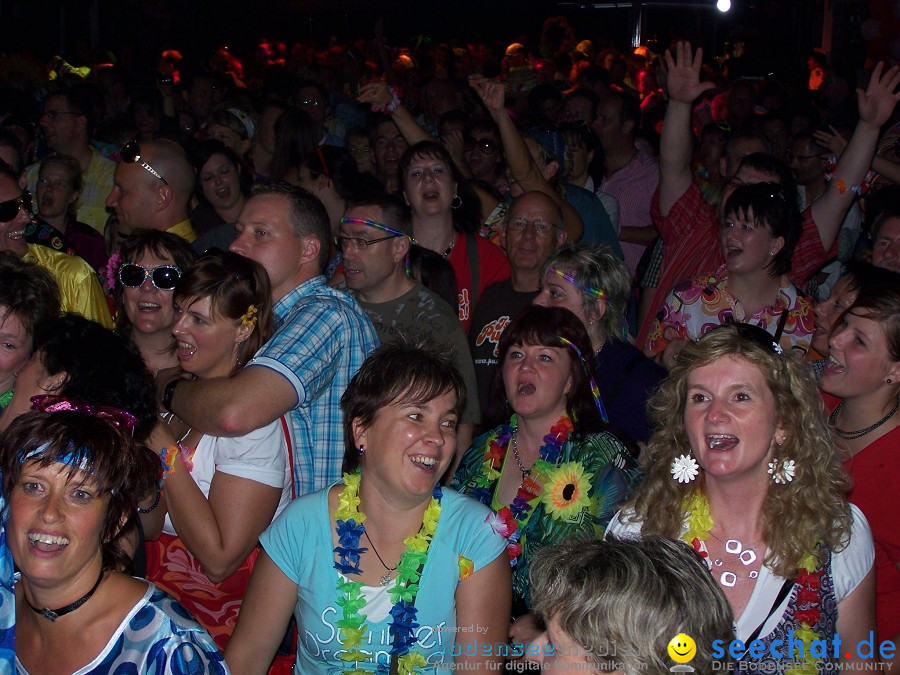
x=403, y=594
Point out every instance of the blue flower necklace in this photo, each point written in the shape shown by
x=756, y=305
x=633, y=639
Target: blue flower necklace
x=352, y=625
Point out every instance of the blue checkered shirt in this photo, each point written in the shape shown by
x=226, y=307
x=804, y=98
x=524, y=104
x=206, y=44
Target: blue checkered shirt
x=322, y=336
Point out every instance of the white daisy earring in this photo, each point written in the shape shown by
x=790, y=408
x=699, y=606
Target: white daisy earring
x=782, y=471
x=685, y=469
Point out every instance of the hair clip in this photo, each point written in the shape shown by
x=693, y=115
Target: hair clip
x=249, y=317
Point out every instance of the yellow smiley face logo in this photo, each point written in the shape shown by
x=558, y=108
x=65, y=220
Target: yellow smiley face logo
x=682, y=648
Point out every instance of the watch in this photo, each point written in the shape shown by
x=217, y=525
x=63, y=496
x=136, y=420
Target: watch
x=169, y=392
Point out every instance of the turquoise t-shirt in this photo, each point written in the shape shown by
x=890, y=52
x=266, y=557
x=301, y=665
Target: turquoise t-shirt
x=299, y=542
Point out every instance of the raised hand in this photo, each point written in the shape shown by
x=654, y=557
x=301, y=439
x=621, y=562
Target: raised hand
x=491, y=92
x=833, y=141
x=683, y=73
x=877, y=102
x=375, y=92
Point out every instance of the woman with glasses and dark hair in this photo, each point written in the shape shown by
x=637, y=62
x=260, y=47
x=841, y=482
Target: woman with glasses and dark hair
x=861, y=381
x=72, y=478
x=145, y=271
x=552, y=471
x=760, y=229
x=743, y=467
x=220, y=493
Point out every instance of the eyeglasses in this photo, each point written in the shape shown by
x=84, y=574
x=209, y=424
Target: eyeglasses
x=55, y=115
x=163, y=277
x=315, y=103
x=541, y=229
x=10, y=208
x=485, y=146
x=131, y=154
x=358, y=243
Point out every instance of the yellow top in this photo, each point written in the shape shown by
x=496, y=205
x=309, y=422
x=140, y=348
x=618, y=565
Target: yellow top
x=79, y=289
x=184, y=230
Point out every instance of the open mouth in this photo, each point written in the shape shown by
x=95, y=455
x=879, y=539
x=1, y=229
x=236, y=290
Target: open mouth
x=185, y=350
x=425, y=463
x=526, y=388
x=721, y=441
x=47, y=542
x=833, y=366
x=148, y=307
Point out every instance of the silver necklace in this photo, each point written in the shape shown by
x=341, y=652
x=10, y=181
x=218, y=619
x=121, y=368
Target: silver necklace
x=521, y=466
x=386, y=578
x=852, y=435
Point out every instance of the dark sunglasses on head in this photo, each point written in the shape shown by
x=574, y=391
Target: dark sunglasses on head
x=10, y=208
x=163, y=277
x=131, y=154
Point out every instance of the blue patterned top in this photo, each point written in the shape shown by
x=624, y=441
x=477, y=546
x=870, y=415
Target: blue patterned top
x=7, y=599
x=322, y=336
x=157, y=637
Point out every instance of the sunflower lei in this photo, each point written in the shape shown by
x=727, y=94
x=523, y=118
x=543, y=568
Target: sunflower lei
x=809, y=597
x=509, y=520
x=352, y=625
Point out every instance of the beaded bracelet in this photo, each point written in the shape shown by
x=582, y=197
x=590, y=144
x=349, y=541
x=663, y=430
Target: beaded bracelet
x=389, y=107
x=154, y=504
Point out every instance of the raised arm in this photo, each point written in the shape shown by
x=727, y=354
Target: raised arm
x=521, y=165
x=876, y=104
x=235, y=406
x=676, y=144
x=378, y=94
x=264, y=617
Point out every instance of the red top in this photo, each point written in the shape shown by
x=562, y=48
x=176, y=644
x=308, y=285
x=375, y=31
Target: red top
x=876, y=484
x=691, y=235
x=493, y=267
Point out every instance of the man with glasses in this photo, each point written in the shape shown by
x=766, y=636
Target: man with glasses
x=67, y=124
x=321, y=340
x=153, y=187
x=530, y=234
x=79, y=289
x=374, y=237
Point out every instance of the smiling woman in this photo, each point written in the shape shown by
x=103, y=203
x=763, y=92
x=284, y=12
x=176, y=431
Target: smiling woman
x=220, y=492
x=758, y=236
x=382, y=569
x=743, y=467
x=72, y=479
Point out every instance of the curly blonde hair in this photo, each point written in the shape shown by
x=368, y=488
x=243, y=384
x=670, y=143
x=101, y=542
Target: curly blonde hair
x=798, y=515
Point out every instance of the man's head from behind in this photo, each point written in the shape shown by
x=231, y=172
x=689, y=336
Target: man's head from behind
x=286, y=230
x=153, y=185
x=624, y=601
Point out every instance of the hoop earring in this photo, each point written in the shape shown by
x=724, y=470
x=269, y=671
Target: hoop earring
x=457, y=202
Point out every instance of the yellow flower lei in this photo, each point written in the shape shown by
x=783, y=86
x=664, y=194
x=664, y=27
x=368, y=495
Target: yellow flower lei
x=698, y=526
x=406, y=585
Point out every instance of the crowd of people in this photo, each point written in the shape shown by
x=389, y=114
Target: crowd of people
x=389, y=360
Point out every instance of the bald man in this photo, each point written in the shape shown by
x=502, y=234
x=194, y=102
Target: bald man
x=153, y=186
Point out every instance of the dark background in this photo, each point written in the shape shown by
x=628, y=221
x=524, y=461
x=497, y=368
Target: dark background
x=778, y=33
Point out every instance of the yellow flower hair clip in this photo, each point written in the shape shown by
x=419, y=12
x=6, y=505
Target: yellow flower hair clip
x=249, y=318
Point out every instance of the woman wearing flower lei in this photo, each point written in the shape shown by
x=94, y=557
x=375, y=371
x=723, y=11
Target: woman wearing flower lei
x=743, y=467
x=550, y=473
x=385, y=572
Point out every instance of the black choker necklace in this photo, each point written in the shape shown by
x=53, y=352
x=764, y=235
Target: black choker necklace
x=853, y=435
x=54, y=614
